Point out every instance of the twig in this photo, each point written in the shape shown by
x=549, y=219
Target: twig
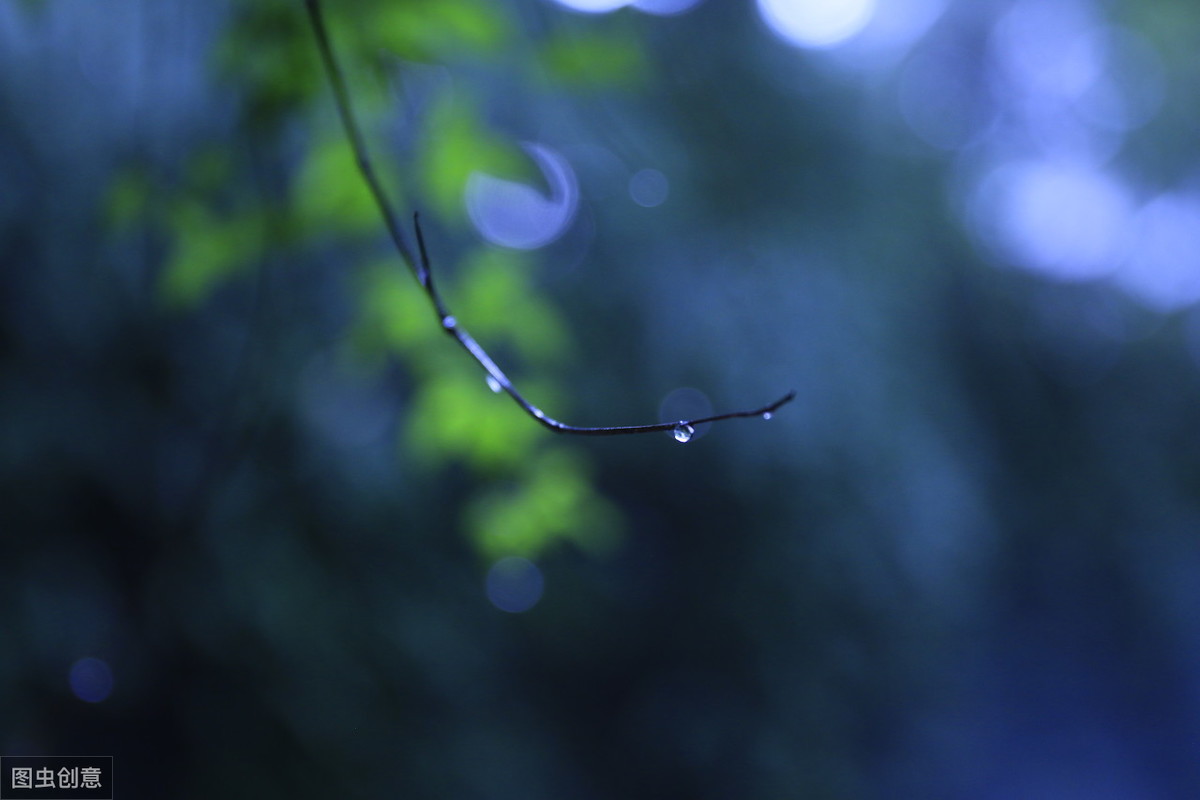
x=682, y=429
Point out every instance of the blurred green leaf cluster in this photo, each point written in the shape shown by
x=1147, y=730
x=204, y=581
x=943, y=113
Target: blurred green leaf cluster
x=330, y=194
x=434, y=30
x=594, y=59
x=210, y=249
x=458, y=145
x=218, y=223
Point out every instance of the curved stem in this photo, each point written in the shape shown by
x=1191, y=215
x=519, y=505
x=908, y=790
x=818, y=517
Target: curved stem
x=424, y=274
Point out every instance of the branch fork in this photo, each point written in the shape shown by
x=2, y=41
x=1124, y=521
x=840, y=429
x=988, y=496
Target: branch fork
x=682, y=429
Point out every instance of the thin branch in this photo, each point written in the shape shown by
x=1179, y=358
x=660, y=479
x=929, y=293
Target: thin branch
x=682, y=429
x=357, y=143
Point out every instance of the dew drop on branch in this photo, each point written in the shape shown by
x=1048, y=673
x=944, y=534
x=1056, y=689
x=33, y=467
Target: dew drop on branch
x=494, y=384
x=766, y=415
x=683, y=432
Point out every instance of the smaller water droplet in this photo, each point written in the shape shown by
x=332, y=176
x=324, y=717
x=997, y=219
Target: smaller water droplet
x=683, y=432
x=766, y=415
x=449, y=322
x=494, y=384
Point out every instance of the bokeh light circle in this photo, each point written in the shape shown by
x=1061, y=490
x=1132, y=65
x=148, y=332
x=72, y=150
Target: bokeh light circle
x=1067, y=220
x=664, y=8
x=649, y=188
x=514, y=584
x=686, y=403
x=512, y=214
x=1163, y=270
x=816, y=23
x=91, y=680
x=593, y=6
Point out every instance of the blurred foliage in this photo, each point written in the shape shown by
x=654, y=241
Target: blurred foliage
x=129, y=199
x=267, y=54
x=456, y=147
x=217, y=232
x=242, y=464
x=556, y=501
x=594, y=59
x=331, y=195
x=429, y=30
x=209, y=249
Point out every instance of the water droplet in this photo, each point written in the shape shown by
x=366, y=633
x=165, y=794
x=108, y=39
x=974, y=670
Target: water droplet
x=683, y=432
x=766, y=415
x=494, y=384
x=448, y=322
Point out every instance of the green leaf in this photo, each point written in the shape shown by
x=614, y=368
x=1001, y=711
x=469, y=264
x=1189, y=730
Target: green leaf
x=554, y=502
x=439, y=30
x=209, y=170
x=207, y=251
x=331, y=195
x=594, y=59
x=270, y=54
x=396, y=314
x=498, y=303
x=457, y=146
x=128, y=198
x=455, y=416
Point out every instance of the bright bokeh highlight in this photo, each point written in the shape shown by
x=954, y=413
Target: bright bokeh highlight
x=664, y=8
x=1049, y=48
x=1066, y=220
x=816, y=23
x=1046, y=121
x=1163, y=270
x=593, y=6
x=513, y=214
x=895, y=26
x=661, y=8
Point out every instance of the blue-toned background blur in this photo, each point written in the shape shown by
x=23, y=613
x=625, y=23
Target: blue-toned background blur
x=265, y=531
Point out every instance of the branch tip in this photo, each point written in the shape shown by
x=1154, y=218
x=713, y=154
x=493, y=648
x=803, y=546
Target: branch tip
x=423, y=273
